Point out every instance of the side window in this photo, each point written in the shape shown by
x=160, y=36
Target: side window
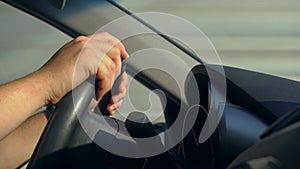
x=26, y=43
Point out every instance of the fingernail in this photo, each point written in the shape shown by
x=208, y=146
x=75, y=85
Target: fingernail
x=110, y=108
x=112, y=112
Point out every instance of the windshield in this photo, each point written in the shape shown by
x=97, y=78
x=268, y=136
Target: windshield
x=262, y=36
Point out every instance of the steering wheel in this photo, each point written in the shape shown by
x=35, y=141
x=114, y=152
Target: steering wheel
x=64, y=131
x=59, y=133
x=65, y=144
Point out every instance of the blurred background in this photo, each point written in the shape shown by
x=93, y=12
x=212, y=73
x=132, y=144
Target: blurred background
x=26, y=43
x=259, y=35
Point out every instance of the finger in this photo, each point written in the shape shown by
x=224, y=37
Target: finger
x=110, y=51
x=122, y=48
x=123, y=82
x=106, y=69
x=113, y=41
x=105, y=76
x=121, y=90
x=112, y=112
x=88, y=61
x=117, y=44
x=115, y=55
x=111, y=108
x=114, y=106
x=120, y=96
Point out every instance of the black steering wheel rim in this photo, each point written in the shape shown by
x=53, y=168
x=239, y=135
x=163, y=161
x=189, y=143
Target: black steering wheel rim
x=59, y=131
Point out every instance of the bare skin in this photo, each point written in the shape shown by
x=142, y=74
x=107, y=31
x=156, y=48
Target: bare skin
x=98, y=55
x=18, y=146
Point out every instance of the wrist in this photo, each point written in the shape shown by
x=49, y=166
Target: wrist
x=42, y=83
x=54, y=85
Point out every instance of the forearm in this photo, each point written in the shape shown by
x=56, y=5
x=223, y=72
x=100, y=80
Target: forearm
x=18, y=146
x=19, y=99
x=99, y=55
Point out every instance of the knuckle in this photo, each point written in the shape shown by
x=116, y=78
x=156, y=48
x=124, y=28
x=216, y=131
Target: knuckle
x=120, y=44
x=88, y=52
x=81, y=38
x=122, y=95
x=112, y=67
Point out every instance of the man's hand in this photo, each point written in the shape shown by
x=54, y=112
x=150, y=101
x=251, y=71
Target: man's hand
x=99, y=55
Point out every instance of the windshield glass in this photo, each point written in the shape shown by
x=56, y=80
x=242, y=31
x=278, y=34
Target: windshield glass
x=262, y=36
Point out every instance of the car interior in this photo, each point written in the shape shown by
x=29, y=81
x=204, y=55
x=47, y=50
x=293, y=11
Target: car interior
x=258, y=129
